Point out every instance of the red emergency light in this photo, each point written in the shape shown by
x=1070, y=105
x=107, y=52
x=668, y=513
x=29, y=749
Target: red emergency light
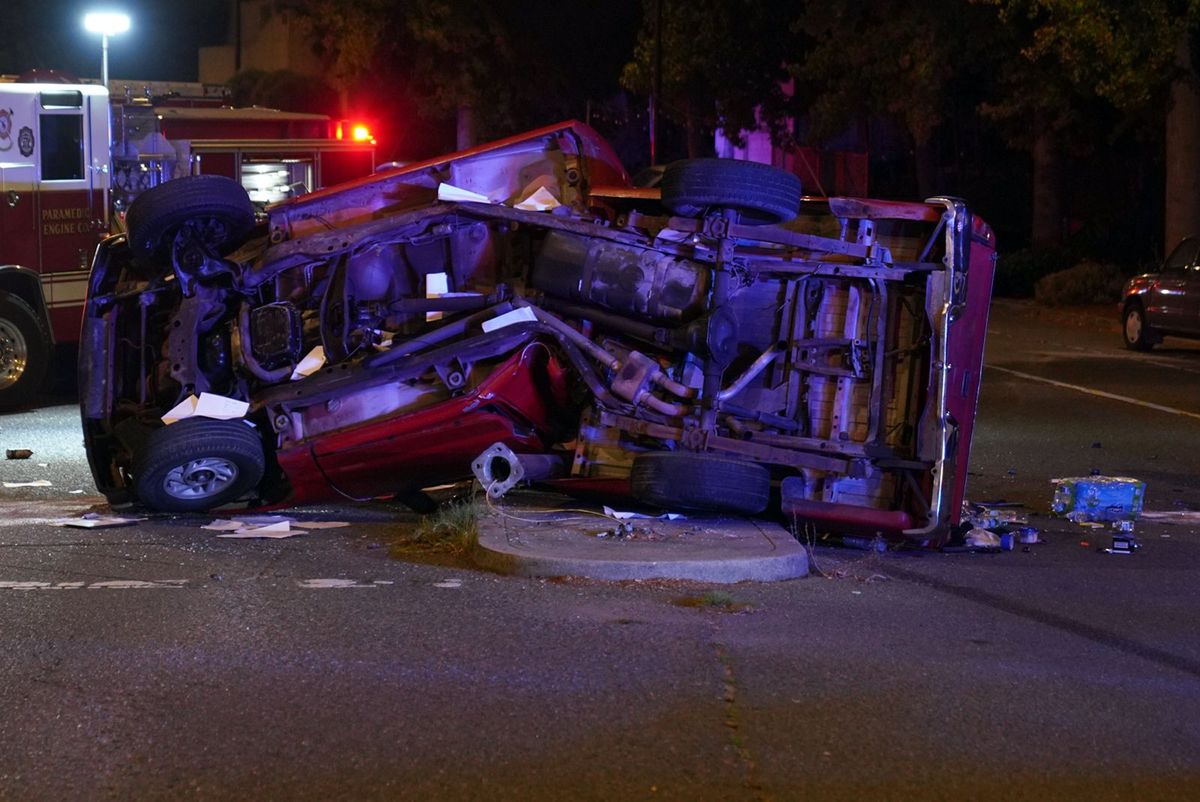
x=356, y=131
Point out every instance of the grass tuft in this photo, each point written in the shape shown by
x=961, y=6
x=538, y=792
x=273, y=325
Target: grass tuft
x=453, y=528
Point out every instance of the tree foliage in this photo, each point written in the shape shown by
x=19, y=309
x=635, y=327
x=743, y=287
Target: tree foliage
x=723, y=63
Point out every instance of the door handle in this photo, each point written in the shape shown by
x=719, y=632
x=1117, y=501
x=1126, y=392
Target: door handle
x=13, y=197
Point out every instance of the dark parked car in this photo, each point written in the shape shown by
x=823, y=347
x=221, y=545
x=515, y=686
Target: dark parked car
x=1154, y=305
x=720, y=342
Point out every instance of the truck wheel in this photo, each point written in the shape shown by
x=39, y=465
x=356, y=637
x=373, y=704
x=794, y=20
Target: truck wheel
x=759, y=193
x=217, y=206
x=24, y=351
x=198, y=464
x=677, y=480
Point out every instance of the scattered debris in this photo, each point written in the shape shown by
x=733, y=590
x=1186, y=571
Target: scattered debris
x=991, y=527
x=1123, y=544
x=622, y=515
x=448, y=583
x=35, y=483
x=267, y=526
x=1098, y=498
x=18, y=453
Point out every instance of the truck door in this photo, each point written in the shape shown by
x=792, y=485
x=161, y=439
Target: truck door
x=72, y=192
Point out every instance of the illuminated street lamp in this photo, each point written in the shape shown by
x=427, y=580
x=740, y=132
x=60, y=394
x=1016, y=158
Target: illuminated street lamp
x=105, y=23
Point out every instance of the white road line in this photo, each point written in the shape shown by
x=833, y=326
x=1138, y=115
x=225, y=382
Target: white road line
x=1099, y=393
x=115, y=584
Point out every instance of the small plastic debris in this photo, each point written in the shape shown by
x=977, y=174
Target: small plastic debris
x=1028, y=534
x=18, y=453
x=1096, y=444
x=35, y=483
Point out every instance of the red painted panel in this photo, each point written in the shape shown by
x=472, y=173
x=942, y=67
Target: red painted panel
x=437, y=444
x=966, y=349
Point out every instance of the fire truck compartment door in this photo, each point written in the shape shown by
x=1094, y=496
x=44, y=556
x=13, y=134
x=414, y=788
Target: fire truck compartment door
x=18, y=232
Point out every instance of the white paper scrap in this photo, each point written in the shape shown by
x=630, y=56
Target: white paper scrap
x=276, y=530
x=542, y=200
x=313, y=361
x=1172, y=516
x=449, y=192
x=35, y=483
x=208, y=405
x=621, y=515
x=263, y=520
x=223, y=525
x=93, y=521
x=521, y=314
x=436, y=285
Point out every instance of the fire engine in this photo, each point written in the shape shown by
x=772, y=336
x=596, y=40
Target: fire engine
x=71, y=161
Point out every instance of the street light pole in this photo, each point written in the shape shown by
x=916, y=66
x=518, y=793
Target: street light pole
x=105, y=23
x=104, y=60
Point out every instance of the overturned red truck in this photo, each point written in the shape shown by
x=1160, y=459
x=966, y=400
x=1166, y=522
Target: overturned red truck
x=70, y=164
x=723, y=342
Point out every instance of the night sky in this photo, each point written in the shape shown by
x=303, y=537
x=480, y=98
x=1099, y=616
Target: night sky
x=162, y=44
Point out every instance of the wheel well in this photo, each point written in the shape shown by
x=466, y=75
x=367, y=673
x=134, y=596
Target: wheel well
x=24, y=283
x=1130, y=303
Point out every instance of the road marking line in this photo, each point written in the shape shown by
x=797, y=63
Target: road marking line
x=1099, y=393
x=332, y=583
x=115, y=584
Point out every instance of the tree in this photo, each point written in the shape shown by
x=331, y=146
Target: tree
x=869, y=58
x=723, y=65
x=282, y=89
x=455, y=56
x=1142, y=59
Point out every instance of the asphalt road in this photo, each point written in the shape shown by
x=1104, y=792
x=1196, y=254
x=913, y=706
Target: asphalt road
x=157, y=661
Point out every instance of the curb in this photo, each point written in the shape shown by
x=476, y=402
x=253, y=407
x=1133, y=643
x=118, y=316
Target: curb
x=717, y=550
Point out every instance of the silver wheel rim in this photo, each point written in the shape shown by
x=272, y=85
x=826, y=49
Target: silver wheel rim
x=1133, y=327
x=14, y=354
x=200, y=478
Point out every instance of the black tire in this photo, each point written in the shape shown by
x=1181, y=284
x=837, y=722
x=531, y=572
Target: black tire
x=156, y=214
x=25, y=349
x=197, y=464
x=1134, y=331
x=759, y=193
x=678, y=480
